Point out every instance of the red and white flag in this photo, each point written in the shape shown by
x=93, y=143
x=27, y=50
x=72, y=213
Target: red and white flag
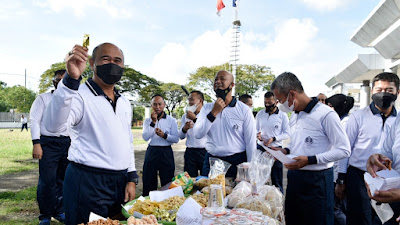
x=220, y=5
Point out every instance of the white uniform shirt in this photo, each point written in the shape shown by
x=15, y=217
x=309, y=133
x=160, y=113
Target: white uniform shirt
x=191, y=140
x=317, y=131
x=274, y=125
x=365, y=129
x=233, y=130
x=391, y=145
x=100, y=137
x=24, y=120
x=167, y=124
x=36, y=116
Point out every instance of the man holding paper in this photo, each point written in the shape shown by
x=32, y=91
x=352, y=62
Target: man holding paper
x=317, y=140
x=365, y=130
x=272, y=128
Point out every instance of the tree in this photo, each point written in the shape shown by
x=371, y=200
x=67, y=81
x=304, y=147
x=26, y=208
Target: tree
x=46, y=79
x=18, y=97
x=138, y=113
x=4, y=107
x=249, y=78
x=133, y=81
x=173, y=96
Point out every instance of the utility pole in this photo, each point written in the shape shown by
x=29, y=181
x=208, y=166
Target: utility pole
x=25, y=78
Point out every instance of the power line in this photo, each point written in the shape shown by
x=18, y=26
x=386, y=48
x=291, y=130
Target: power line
x=13, y=74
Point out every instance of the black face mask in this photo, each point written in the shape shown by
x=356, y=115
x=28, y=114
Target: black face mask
x=110, y=73
x=270, y=108
x=221, y=93
x=383, y=99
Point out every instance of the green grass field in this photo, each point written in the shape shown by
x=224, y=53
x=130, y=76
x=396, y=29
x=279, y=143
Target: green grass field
x=16, y=156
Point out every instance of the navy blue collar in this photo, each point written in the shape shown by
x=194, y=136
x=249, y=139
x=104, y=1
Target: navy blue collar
x=164, y=115
x=233, y=102
x=310, y=105
x=96, y=89
x=276, y=112
x=375, y=110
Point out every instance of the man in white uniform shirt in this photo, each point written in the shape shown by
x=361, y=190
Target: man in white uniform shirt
x=229, y=126
x=272, y=128
x=195, y=148
x=365, y=129
x=161, y=130
x=317, y=140
x=52, y=150
x=101, y=174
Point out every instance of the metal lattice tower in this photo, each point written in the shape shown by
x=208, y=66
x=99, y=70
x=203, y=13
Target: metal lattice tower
x=235, y=44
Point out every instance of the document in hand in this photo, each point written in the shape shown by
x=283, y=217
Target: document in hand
x=386, y=180
x=285, y=159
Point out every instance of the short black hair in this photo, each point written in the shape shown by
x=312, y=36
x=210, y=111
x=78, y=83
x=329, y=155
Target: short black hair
x=387, y=76
x=59, y=72
x=245, y=97
x=341, y=103
x=285, y=82
x=199, y=93
x=157, y=95
x=269, y=94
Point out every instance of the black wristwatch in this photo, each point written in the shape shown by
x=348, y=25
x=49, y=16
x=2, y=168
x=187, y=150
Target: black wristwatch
x=339, y=181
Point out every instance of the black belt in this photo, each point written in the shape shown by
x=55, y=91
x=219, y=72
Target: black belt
x=61, y=136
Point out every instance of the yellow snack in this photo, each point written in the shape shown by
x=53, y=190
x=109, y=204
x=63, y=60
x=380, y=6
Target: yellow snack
x=86, y=40
x=220, y=179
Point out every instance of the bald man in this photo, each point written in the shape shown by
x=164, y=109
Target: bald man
x=229, y=126
x=101, y=174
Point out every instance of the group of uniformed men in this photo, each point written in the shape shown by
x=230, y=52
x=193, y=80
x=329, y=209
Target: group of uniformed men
x=101, y=173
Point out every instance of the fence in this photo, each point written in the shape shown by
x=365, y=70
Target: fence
x=12, y=117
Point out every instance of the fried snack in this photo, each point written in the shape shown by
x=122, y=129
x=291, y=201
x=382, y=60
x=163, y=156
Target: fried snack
x=220, y=179
x=103, y=222
x=202, y=199
x=145, y=207
x=150, y=219
x=228, y=190
x=206, y=190
x=390, y=165
x=85, y=40
x=256, y=204
x=203, y=182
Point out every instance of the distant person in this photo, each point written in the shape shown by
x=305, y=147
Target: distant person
x=342, y=104
x=321, y=98
x=248, y=100
x=101, y=174
x=161, y=131
x=24, y=122
x=195, y=148
x=365, y=129
x=317, y=139
x=272, y=128
x=52, y=150
x=228, y=125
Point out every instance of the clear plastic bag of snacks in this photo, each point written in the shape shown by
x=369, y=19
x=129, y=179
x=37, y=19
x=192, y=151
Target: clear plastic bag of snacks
x=218, y=169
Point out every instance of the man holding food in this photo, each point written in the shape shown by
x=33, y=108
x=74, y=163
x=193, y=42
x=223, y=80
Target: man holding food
x=161, y=130
x=101, y=174
x=229, y=126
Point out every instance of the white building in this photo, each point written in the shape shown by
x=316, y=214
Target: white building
x=381, y=31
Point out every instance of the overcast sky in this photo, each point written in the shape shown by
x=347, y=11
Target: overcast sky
x=168, y=39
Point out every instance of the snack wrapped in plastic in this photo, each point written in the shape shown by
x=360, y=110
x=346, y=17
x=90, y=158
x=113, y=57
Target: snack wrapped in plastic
x=275, y=199
x=183, y=180
x=241, y=191
x=243, y=172
x=203, y=182
x=218, y=169
x=259, y=173
x=85, y=40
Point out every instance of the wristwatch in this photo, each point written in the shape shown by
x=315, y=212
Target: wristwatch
x=339, y=181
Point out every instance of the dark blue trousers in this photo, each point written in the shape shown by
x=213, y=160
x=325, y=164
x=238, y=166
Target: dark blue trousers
x=157, y=159
x=194, y=159
x=359, y=209
x=276, y=172
x=52, y=168
x=88, y=189
x=309, y=197
x=234, y=160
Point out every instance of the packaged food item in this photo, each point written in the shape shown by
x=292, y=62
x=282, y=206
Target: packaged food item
x=85, y=40
x=218, y=169
x=275, y=199
x=241, y=191
x=183, y=180
x=243, y=172
x=216, y=199
x=201, y=183
x=206, y=190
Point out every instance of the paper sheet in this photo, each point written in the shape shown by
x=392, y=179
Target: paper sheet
x=159, y=196
x=189, y=213
x=386, y=180
x=285, y=159
x=94, y=216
